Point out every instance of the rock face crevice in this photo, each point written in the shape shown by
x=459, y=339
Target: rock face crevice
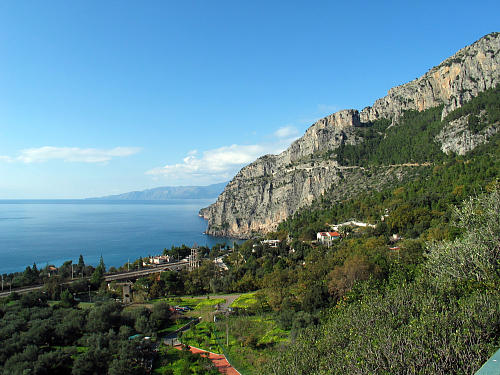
x=273, y=187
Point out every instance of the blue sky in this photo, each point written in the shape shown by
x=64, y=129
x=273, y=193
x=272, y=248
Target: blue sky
x=104, y=97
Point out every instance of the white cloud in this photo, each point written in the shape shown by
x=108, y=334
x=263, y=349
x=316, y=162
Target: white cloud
x=220, y=163
x=71, y=154
x=286, y=132
x=7, y=159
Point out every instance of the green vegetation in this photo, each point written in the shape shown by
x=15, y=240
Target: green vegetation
x=420, y=206
x=178, y=362
x=209, y=303
x=102, y=338
x=482, y=111
x=179, y=323
x=441, y=318
x=415, y=133
x=63, y=339
x=194, y=303
x=417, y=293
x=245, y=301
x=202, y=336
x=250, y=340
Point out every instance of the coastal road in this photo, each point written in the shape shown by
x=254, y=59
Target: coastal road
x=145, y=272
x=5, y=293
x=108, y=278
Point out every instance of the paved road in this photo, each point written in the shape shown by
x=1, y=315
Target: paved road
x=112, y=277
x=6, y=292
x=146, y=271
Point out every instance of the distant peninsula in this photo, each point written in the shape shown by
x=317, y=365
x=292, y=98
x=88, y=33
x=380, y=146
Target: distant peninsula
x=170, y=192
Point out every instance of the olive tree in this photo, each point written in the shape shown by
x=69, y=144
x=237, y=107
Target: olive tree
x=475, y=255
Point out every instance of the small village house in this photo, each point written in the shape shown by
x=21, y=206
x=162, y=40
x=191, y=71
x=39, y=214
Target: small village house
x=327, y=237
x=158, y=259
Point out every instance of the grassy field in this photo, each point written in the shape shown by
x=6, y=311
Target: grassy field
x=196, y=303
x=86, y=305
x=209, y=303
x=245, y=301
x=202, y=336
x=179, y=323
x=176, y=362
x=252, y=340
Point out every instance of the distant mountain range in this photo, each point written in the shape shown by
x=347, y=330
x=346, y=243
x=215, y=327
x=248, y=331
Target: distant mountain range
x=170, y=192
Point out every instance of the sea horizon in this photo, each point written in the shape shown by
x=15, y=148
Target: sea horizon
x=52, y=231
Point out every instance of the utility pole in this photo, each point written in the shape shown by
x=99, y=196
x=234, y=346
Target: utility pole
x=90, y=300
x=72, y=271
x=128, y=264
x=2, y=282
x=227, y=335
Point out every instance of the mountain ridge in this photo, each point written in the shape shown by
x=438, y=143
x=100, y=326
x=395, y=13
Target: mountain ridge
x=169, y=192
x=273, y=187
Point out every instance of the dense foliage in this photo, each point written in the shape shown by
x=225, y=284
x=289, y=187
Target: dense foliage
x=41, y=339
x=444, y=321
x=412, y=138
x=421, y=205
x=382, y=145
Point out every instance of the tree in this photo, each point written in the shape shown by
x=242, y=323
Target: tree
x=98, y=275
x=32, y=299
x=160, y=315
x=101, y=265
x=172, y=281
x=80, y=266
x=475, y=255
x=104, y=316
x=67, y=299
x=342, y=278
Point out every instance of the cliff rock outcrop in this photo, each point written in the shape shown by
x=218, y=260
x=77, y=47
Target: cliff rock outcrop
x=275, y=186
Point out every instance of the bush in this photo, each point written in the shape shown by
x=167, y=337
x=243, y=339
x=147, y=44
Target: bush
x=475, y=255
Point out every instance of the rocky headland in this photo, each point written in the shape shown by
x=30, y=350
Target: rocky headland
x=273, y=187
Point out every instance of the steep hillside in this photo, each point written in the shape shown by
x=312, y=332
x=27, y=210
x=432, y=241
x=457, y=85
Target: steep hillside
x=414, y=125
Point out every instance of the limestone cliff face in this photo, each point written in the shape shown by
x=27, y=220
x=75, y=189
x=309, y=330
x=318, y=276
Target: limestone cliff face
x=270, y=189
x=457, y=138
x=273, y=187
x=455, y=81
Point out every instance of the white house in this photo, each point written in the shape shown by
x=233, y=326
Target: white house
x=158, y=259
x=270, y=243
x=327, y=236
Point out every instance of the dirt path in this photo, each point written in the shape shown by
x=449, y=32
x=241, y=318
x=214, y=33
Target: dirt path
x=218, y=360
x=229, y=300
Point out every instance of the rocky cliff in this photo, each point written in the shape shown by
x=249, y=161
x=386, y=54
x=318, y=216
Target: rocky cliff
x=275, y=186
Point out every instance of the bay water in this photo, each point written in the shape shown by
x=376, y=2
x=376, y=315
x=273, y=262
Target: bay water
x=54, y=231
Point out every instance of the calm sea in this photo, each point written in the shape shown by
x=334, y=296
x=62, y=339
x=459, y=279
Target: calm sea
x=53, y=231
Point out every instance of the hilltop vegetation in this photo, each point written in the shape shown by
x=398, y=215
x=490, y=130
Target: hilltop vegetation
x=413, y=138
x=419, y=205
x=444, y=319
